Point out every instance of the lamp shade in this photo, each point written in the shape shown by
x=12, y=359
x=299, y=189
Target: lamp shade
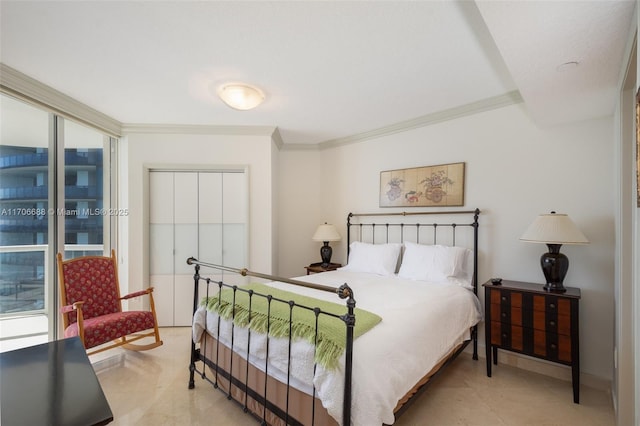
x=554, y=228
x=326, y=232
x=240, y=96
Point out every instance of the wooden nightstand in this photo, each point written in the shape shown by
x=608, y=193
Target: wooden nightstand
x=523, y=317
x=317, y=267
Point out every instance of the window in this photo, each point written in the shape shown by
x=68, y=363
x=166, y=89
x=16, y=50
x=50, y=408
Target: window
x=32, y=212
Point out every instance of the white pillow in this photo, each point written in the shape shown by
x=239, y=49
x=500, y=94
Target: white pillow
x=434, y=262
x=381, y=259
x=466, y=272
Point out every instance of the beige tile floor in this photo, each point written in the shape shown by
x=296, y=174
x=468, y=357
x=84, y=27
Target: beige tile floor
x=150, y=388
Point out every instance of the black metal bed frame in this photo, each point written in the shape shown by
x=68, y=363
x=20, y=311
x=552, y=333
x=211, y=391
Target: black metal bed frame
x=418, y=226
x=344, y=292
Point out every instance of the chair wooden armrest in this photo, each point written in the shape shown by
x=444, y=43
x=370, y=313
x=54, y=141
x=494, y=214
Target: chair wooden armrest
x=67, y=309
x=76, y=306
x=70, y=308
x=137, y=293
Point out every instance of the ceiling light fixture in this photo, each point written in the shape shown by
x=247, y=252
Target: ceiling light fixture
x=240, y=96
x=567, y=66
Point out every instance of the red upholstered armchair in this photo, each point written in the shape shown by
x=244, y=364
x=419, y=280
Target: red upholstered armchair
x=92, y=306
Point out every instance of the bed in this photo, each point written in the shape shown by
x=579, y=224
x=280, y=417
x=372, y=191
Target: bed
x=414, y=276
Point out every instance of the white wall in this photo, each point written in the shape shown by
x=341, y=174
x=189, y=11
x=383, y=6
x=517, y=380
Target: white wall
x=301, y=210
x=514, y=171
x=144, y=151
x=626, y=396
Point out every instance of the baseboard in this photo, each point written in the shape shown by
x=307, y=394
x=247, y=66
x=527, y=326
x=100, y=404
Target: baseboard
x=546, y=368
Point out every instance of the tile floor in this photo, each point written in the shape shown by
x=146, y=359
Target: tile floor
x=150, y=388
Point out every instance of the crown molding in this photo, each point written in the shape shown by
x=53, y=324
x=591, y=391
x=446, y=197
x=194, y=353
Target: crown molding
x=21, y=86
x=201, y=129
x=277, y=139
x=487, y=104
x=301, y=147
x=195, y=129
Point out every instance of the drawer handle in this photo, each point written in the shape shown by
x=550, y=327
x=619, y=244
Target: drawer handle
x=553, y=346
x=504, y=298
x=504, y=315
x=552, y=305
x=504, y=335
x=552, y=323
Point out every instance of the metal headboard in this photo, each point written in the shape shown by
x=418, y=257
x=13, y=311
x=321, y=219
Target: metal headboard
x=392, y=227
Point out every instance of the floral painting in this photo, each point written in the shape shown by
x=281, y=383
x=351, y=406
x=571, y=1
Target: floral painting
x=441, y=185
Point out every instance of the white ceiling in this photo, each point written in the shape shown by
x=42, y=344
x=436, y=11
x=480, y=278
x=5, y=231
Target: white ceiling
x=330, y=69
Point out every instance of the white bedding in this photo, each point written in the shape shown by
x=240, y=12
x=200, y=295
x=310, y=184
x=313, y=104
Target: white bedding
x=421, y=323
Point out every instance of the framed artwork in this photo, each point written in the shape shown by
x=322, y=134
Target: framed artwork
x=638, y=147
x=429, y=186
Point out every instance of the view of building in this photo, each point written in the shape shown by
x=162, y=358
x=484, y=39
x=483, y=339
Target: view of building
x=25, y=212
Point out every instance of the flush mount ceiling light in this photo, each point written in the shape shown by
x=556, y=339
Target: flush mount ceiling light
x=240, y=96
x=567, y=66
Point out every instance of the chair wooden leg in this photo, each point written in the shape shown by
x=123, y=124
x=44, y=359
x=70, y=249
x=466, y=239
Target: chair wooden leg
x=152, y=307
x=80, y=321
x=136, y=347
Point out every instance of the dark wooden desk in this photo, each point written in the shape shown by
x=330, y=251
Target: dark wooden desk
x=51, y=384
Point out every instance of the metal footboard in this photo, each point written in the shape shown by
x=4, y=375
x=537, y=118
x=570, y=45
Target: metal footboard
x=260, y=395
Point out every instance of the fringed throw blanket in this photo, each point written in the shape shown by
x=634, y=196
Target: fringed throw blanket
x=331, y=337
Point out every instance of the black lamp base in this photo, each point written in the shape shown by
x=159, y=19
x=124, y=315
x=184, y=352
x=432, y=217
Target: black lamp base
x=325, y=253
x=554, y=267
x=555, y=287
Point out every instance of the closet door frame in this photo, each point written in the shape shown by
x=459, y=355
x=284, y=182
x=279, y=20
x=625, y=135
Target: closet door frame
x=186, y=168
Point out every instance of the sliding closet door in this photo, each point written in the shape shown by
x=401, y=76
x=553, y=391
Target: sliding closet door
x=185, y=237
x=161, y=244
x=200, y=214
x=234, y=220
x=210, y=214
x=223, y=219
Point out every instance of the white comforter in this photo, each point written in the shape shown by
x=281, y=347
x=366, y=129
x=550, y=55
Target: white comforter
x=421, y=323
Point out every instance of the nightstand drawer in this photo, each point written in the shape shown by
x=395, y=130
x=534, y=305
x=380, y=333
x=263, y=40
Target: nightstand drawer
x=551, y=346
x=540, y=312
x=508, y=336
x=506, y=297
x=551, y=322
x=505, y=313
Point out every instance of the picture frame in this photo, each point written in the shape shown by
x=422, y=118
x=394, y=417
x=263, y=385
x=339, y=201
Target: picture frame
x=440, y=185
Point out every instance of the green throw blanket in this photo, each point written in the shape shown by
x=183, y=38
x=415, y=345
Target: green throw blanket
x=331, y=340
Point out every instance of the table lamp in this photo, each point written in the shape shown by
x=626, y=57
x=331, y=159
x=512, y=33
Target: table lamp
x=326, y=233
x=554, y=229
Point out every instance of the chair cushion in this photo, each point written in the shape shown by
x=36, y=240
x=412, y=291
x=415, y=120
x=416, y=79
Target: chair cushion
x=105, y=328
x=92, y=280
